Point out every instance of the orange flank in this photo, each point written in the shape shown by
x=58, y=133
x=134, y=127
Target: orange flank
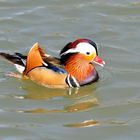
x=48, y=77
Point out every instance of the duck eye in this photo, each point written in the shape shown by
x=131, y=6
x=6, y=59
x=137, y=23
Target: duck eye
x=88, y=53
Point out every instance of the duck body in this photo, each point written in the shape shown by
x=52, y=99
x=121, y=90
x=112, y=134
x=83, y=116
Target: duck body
x=74, y=68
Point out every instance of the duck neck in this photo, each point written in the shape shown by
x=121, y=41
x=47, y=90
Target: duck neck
x=83, y=71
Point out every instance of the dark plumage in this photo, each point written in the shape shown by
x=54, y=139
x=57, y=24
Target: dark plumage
x=16, y=58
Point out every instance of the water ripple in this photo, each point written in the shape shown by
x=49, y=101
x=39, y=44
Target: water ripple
x=23, y=12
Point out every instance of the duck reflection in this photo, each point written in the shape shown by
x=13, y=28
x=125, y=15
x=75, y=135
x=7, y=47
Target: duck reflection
x=86, y=123
x=78, y=99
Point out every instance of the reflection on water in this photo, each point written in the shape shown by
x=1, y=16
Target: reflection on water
x=77, y=106
x=41, y=110
x=82, y=98
x=91, y=123
x=82, y=105
x=37, y=92
x=87, y=123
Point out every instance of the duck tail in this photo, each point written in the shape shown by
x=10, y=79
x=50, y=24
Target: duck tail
x=17, y=59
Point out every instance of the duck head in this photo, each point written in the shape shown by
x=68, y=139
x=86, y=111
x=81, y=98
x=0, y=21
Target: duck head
x=85, y=49
x=78, y=58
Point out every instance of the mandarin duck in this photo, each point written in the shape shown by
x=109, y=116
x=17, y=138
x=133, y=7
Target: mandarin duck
x=74, y=68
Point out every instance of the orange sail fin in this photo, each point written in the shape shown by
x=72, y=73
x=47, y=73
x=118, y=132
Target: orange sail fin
x=34, y=58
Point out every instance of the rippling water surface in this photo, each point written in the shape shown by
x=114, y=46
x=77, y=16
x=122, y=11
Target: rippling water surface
x=107, y=110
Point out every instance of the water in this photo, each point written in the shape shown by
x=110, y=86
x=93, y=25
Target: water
x=106, y=110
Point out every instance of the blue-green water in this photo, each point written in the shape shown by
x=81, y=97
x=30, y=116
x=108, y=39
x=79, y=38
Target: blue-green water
x=107, y=110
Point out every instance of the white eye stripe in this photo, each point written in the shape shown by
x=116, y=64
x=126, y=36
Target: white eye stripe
x=82, y=47
x=85, y=47
x=69, y=51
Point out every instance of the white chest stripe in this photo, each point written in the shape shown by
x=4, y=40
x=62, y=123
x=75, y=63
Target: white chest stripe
x=72, y=82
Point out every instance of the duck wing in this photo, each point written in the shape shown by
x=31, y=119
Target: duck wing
x=38, y=58
x=20, y=60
